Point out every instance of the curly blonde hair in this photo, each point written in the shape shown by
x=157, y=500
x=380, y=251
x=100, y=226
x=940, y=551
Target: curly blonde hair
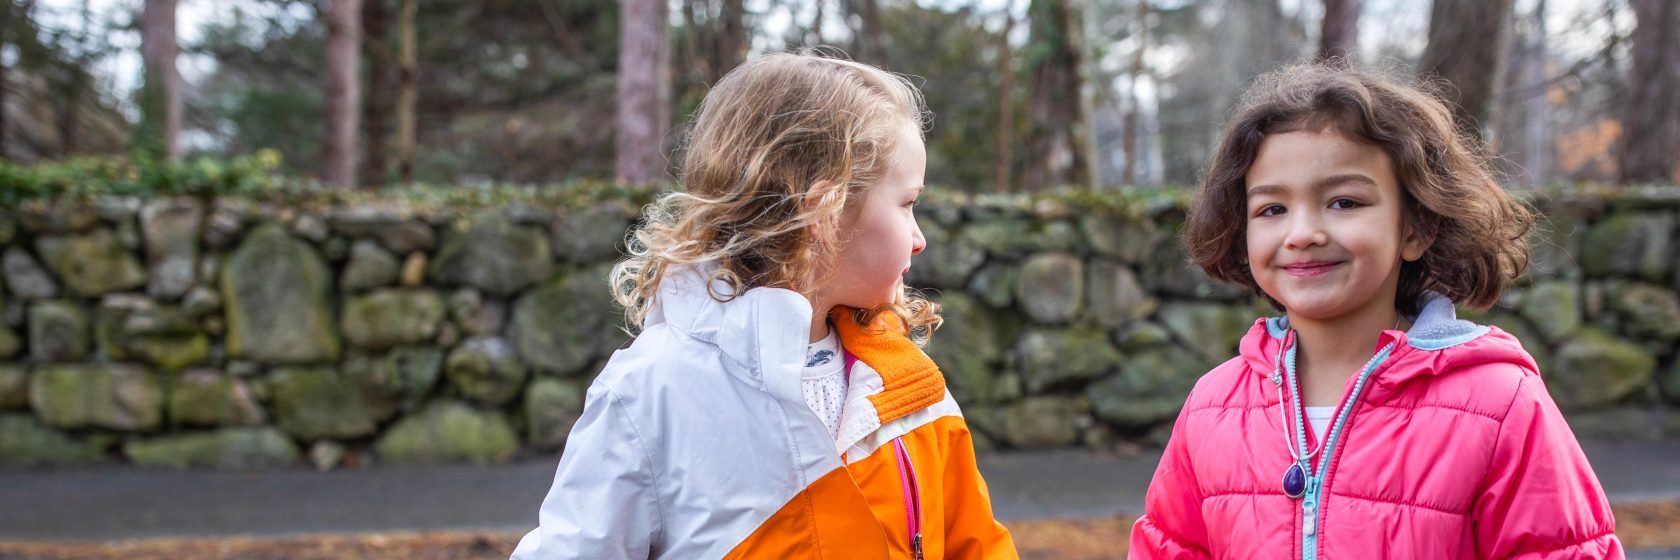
x=780, y=147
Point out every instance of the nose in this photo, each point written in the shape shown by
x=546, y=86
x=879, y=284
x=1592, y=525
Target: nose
x=917, y=241
x=1306, y=229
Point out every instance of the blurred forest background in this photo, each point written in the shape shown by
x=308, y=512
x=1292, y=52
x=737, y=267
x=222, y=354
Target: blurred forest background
x=1027, y=94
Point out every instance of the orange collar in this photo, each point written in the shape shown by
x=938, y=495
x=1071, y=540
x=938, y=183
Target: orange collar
x=911, y=381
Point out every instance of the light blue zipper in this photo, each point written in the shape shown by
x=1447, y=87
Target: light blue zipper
x=1310, y=502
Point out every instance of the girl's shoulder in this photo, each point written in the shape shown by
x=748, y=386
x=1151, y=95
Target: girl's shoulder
x=1227, y=385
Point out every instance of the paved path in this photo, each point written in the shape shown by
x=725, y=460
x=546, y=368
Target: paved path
x=113, y=503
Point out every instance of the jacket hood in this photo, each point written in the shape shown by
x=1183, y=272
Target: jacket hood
x=1437, y=342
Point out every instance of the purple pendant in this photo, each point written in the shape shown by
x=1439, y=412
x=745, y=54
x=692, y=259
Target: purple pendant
x=1295, y=481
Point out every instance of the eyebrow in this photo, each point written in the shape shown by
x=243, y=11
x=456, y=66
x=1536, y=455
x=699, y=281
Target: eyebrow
x=1327, y=182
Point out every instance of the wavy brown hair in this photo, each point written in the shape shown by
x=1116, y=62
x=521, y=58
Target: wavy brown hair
x=780, y=150
x=1477, y=232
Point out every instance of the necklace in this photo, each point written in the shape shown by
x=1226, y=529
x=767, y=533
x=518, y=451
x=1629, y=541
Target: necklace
x=1295, y=440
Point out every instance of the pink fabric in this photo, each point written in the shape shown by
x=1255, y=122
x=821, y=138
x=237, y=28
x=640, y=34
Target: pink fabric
x=1450, y=453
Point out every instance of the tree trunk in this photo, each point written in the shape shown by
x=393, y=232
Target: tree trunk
x=1651, y=117
x=1464, y=39
x=732, y=39
x=643, y=92
x=408, y=62
x=1057, y=150
x=1006, y=104
x=343, y=88
x=6, y=15
x=160, y=103
x=1129, y=138
x=1537, y=130
x=1340, y=32
x=376, y=111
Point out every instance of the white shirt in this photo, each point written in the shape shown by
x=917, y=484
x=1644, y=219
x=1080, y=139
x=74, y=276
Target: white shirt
x=1319, y=417
x=824, y=381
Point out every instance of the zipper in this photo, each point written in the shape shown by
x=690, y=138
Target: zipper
x=1311, y=503
x=912, y=497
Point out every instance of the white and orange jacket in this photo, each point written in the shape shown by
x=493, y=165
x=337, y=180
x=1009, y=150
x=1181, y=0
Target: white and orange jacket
x=696, y=442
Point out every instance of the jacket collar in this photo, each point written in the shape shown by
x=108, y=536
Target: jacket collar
x=910, y=380
x=1437, y=342
x=767, y=329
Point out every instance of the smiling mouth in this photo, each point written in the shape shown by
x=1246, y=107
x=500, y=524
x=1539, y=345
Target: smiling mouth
x=1310, y=269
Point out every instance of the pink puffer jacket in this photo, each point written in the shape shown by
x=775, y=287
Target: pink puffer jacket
x=1452, y=449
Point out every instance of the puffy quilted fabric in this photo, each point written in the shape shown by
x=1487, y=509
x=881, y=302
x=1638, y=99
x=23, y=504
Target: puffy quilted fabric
x=1452, y=450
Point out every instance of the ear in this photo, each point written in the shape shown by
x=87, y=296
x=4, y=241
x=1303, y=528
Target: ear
x=812, y=199
x=1414, y=241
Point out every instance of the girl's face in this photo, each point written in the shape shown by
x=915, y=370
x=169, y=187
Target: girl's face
x=879, y=235
x=1325, y=231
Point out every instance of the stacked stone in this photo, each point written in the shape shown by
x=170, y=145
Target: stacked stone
x=1072, y=327
x=231, y=334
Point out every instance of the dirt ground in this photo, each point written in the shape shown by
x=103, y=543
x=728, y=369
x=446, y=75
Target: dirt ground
x=1650, y=525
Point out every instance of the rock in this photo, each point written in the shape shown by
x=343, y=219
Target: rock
x=392, y=317
x=1138, y=336
x=1651, y=312
x=26, y=279
x=486, y=370
x=8, y=227
x=228, y=448
x=946, y=262
x=1051, y=359
x=112, y=396
x=397, y=381
x=209, y=398
x=1629, y=244
x=967, y=347
x=315, y=403
x=91, y=264
x=1555, y=243
x=113, y=208
x=475, y=315
x=552, y=407
x=171, y=231
x=58, y=218
x=1051, y=287
x=1014, y=238
x=1596, y=368
x=1169, y=272
x=132, y=327
x=1038, y=422
x=1554, y=308
x=128, y=235
x=448, y=431
x=414, y=270
x=592, y=234
x=369, y=267
x=326, y=454
x=1150, y=387
x=491, y=253
x=224, y=227
x=1117, y=298
x=275, y=289
x=14, y=386
x=391, y=227
x=10, y=344
x=311, y=227
x=201, y=301
x=994, y=284
x=1212, y=330
x=24, y=442
x=1123, y=238
x=58, y=332
x=561, y=327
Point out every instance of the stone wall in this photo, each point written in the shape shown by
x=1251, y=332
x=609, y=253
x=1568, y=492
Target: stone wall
x=233, y=334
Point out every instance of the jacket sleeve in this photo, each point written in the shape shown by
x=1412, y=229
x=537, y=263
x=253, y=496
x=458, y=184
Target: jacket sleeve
x=1171, y=525
x=1540, y=498
x=971, y=530
x=603, y=504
